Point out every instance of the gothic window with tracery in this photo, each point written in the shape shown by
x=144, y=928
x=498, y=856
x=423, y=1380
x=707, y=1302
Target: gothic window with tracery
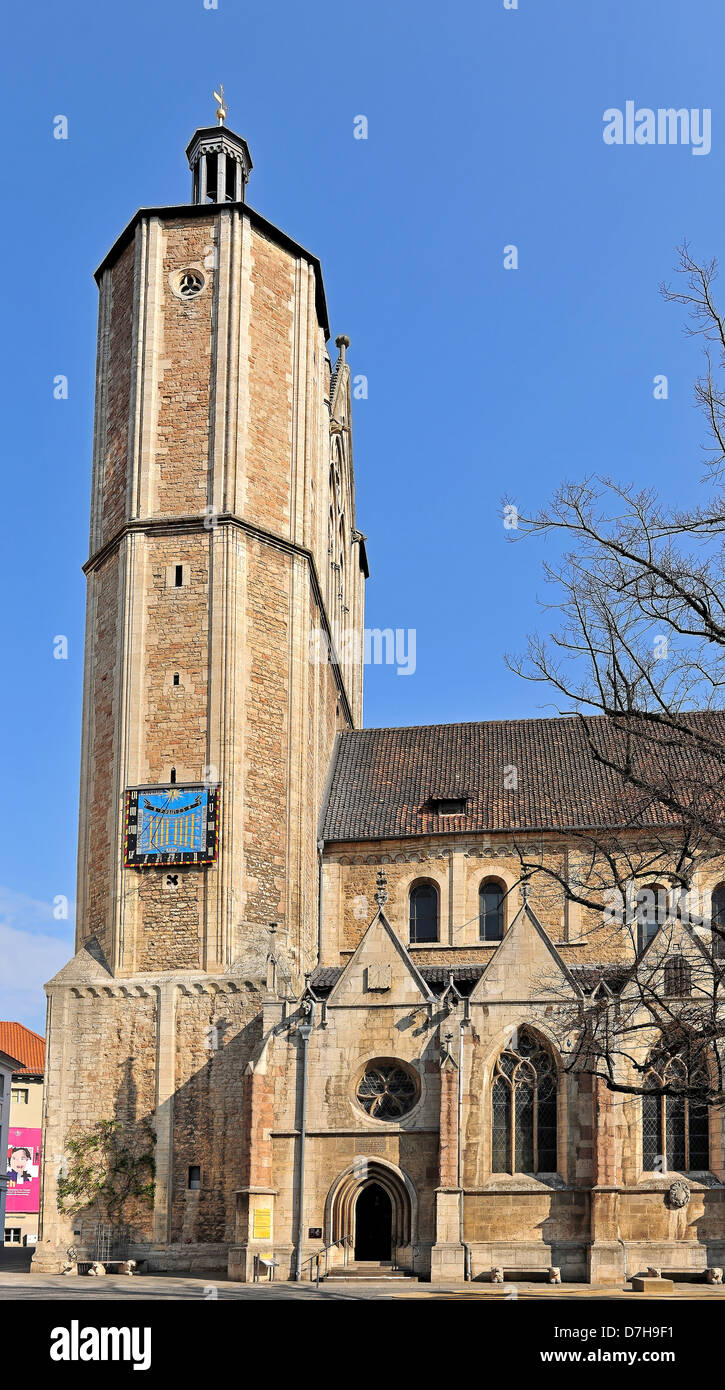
x=387, y=1090
x=675, y=1127
x=523, y=1103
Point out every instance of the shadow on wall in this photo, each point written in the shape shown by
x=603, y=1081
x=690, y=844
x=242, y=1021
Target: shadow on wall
x=209, y=1136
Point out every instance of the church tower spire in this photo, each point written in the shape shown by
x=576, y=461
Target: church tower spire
x=219, y=160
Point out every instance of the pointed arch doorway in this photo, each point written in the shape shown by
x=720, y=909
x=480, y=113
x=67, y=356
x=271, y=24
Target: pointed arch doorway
x=373, y=1223
x=372, y=1205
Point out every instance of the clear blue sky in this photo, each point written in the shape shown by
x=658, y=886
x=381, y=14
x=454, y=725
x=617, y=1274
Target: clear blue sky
x=485, y=129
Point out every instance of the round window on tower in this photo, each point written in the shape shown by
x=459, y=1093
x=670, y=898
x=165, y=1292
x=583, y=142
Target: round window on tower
x=187, y=284
x=387, y=1089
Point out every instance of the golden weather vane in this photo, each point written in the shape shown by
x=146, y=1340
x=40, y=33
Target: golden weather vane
x=222, y=108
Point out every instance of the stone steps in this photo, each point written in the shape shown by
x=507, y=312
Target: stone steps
x=372, y=1271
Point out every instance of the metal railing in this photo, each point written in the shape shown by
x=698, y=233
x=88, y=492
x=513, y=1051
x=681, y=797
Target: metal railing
x=110, y=1243
x=315, y=1261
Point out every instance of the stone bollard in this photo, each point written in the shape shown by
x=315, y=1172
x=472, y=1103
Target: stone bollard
x=553, y=1274
x=496, y=1274
x=713, y=1275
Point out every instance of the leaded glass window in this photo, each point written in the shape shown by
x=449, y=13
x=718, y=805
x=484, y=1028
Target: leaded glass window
x=423, y=913
x=523, y=1106
x=501, y=1126
x=652, y=1160
x=387, y=1090
x=675, y=1127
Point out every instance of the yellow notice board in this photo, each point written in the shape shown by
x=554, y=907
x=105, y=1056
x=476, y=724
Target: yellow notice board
x=262, y=1229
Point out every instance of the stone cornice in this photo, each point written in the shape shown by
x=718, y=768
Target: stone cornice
x=193, y=525
x=147, y=988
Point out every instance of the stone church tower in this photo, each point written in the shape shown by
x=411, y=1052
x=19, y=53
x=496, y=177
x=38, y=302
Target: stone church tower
x=225, y=573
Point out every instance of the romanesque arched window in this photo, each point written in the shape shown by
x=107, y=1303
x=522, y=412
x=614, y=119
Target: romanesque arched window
x=651, y=913
x=490, y=910
x=675, y=1127
x=523, y=1107
x=423, y=913
x=718, y=922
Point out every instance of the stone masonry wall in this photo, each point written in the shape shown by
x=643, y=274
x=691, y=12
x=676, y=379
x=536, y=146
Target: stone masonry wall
x=267, y=713
x=267, y=500
x=457, y=867
x=102, y=1067
x=101, y=825
x=215, y=1040
x=114, y=447
x=182, y=444
x=176, y=640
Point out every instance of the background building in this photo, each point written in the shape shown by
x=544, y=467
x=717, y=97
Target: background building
x=8, y=1063
x=24, y=1133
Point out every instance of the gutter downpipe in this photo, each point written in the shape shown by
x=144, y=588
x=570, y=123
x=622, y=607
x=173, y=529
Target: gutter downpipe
x=320, y=848
x=463, y=1023
x=304, y=1031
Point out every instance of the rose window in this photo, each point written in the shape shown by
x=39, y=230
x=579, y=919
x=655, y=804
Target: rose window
x=387, y=1090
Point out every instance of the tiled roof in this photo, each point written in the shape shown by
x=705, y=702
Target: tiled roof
x=29, y=1048
x=384, y=780
x=589, y=976
x=462, y=974
x=325, y=977
x=614, y=975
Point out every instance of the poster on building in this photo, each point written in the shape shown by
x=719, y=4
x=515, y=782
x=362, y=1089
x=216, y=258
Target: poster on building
x=23, y=1170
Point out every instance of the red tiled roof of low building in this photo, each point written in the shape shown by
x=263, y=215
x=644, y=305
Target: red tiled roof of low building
x=29, y=1047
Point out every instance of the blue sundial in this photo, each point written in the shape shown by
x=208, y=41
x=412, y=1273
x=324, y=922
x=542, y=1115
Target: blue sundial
x=171, y=825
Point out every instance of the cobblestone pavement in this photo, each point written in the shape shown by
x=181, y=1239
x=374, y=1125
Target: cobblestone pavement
x=166, y=1287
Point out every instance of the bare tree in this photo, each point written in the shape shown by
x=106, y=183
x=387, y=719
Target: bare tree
x=637, y=655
